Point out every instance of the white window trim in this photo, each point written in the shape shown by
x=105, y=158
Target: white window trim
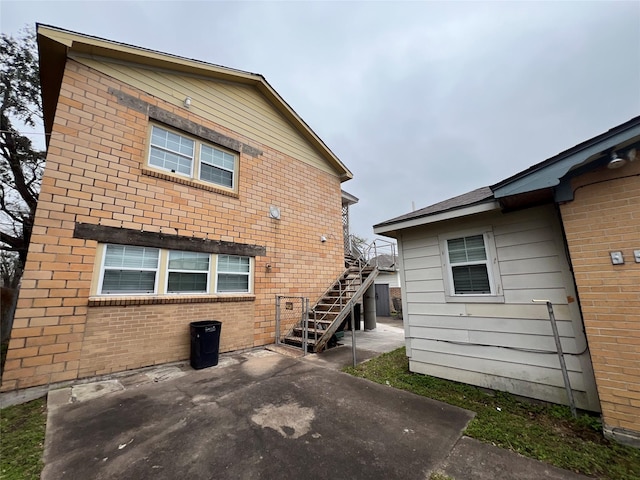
x=249, y=274
x=196, y=160
x=129, y=294
x=169, y=270
x=161, y=284
x=493, y=269
x=201, y=161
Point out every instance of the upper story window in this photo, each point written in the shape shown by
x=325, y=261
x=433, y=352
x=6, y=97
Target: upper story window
x=471, y=268
x=190, y=157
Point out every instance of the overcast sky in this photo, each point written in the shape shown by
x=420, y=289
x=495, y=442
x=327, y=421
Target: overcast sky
x=421, y=100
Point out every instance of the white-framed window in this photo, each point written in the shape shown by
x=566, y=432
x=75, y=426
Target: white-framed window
x=129, y=270
x=188, y=272
x=123, y=270
x=190, y=157
x=471, y=267
x=233, y=274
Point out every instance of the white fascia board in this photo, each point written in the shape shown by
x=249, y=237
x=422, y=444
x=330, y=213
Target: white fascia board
x=439, y=217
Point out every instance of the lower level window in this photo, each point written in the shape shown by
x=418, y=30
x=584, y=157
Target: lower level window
x=133, y=270
x=129, y=269
x=188, y=272
x=471, y=270
x=233, y=274
x=468, y=261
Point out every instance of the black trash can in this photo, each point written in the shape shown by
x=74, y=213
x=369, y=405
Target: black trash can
x=205, y=343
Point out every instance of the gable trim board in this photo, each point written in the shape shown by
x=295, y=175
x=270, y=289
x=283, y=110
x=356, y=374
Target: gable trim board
x=56, y=45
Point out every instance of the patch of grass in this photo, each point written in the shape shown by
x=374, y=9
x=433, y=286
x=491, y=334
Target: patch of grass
x=22, y=440
x=541, y=431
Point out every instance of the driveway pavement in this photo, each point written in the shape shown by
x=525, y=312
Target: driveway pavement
x=262, y=415
x=257, y=415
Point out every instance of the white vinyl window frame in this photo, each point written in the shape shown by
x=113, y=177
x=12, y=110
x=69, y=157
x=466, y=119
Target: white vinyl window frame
x=496, y=294
x=208, y=163
x=104, y=268
x=187, y=271
x=162, y=272
x=220, y=270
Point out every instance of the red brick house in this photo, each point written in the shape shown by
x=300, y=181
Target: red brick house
x=174, y=191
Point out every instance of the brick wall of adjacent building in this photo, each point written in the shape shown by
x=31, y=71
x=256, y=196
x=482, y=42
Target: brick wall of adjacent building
x=604, y=217
x=94, y=175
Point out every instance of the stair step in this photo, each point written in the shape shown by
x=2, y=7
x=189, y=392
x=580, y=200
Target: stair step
x=312, y=332
x=321, y=322
x=291, y=340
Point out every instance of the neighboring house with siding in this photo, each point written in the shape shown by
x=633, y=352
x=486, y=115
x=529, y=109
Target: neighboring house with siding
x=174, y=191
x=471, y=266
x=387, y=283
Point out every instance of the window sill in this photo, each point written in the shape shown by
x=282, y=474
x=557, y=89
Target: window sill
x=474, y=299
x=189, y=181
x=121, y=301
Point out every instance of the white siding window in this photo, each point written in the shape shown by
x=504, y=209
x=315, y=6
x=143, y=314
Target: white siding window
x=190, y=157
x=233, y=274
x=468, y=263
x=188, y=272
x=471, y=268
x=129, y=270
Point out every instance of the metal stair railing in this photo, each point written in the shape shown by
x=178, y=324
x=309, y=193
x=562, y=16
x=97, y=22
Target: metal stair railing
x=350, y=287
x=346, y=310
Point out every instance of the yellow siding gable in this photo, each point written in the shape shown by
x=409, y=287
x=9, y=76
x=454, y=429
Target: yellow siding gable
x=241, y=108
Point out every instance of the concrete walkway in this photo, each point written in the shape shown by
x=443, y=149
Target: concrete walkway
x=264, y=415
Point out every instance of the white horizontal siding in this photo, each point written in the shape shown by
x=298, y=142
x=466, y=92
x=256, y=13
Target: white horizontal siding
x=471, y=337
x=502, y=368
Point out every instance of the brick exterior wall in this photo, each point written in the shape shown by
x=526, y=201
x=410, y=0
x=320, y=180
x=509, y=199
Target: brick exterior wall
x=604, y=217
x=94, y=175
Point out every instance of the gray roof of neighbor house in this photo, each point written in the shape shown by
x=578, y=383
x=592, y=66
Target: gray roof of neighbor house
x=539, y=183
x=474, y=197
x=549, y=173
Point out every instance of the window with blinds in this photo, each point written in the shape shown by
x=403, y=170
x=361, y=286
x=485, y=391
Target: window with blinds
x=233, y=274
x=129, y=269
x=134, y=270
x=469, y=267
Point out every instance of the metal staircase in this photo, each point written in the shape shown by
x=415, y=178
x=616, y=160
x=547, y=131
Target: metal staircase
x=336, y=306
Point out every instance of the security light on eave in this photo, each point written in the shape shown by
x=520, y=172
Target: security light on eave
x=616, y=161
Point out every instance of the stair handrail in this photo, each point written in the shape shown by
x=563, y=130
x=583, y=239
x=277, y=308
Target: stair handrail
x=362, y=261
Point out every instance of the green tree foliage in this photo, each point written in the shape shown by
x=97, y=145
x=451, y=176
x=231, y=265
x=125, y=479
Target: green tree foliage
x=21, y=165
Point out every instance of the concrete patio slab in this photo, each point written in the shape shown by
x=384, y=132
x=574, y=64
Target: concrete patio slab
x=264, y=416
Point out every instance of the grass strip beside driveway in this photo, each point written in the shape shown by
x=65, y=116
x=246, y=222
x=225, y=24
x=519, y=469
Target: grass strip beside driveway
x=22, y=430
x=537, y=430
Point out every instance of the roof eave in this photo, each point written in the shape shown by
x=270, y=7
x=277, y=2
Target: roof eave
x=55, y=44
x=548, y=173
x=392, y=227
